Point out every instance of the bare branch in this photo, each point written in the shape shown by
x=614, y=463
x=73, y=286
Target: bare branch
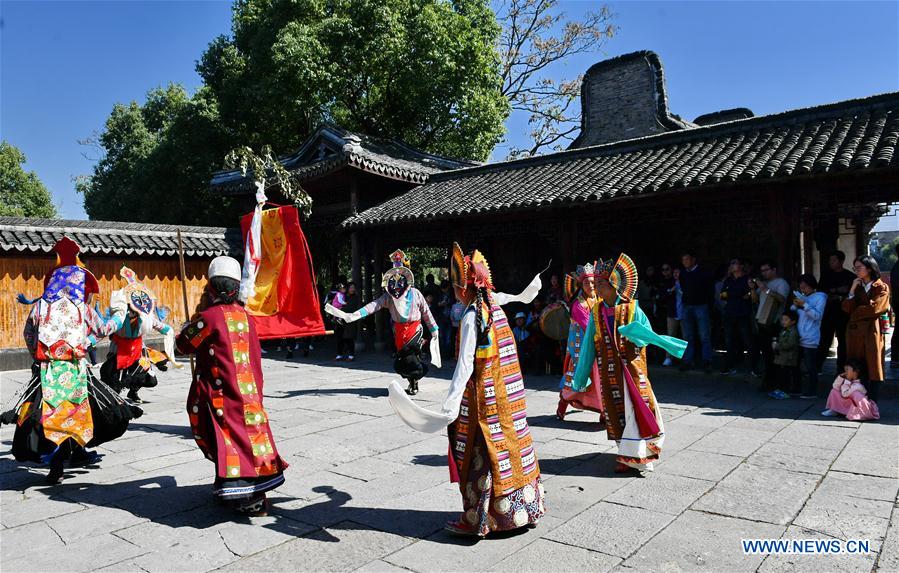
x=536, y=35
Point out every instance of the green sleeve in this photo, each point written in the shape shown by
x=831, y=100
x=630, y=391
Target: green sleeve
x=586, y=358
x=640, y=332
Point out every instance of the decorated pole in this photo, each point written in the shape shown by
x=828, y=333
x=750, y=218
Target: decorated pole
x=184, y=293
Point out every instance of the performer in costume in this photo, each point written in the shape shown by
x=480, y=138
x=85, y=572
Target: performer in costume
x=581, y=295
x=620, y=332
x=129, y=363
x=408, y=309
x=64, y=408
x=224, y=404
x=492, y=454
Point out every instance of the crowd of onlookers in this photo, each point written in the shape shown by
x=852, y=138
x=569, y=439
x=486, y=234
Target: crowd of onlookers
x=783, y=334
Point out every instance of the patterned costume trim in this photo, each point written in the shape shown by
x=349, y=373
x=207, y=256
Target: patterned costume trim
x=495, y=400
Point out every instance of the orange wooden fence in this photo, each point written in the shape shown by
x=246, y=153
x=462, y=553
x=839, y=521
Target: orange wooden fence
x=25, y=274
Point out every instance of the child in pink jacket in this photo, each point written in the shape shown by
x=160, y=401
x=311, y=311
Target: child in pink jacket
x=849, y=397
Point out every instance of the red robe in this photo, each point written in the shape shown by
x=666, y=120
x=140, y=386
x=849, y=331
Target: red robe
x=225, y=400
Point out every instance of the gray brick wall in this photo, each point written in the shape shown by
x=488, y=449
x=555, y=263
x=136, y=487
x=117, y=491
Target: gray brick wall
x=621, y=102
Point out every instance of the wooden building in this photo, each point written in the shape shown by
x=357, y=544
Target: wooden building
x=150, y=250
x=789, y=186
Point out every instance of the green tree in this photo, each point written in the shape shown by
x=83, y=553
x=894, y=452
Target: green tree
x=423, y=71
x=157, y=159
x=21, y=193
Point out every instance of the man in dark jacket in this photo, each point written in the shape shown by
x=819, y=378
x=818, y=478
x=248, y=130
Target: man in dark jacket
x=698, y=289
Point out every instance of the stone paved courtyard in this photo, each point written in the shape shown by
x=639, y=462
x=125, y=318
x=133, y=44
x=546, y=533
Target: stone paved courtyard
x=366, y=493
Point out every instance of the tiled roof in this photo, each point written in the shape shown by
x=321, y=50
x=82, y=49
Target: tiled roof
x=331, y=148
x=852, y=135
x=22, y=234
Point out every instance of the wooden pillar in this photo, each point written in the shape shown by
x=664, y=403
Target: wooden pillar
x=784, y=211
x=380, y=321
x=356, y=254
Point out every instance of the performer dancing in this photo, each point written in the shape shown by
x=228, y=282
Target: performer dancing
x=64, y=408
x=620, y=332
x=581, y=294
x=408, y=308
x=130, y=364
x=224, y=404
x=492, y=455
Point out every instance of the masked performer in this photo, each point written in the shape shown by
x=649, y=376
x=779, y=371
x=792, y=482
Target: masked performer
x=615, y=339
x=408, y=309
x=64, y=408
x=581, y=294
x=129, y=363
x=492, y=454
x=224, y=405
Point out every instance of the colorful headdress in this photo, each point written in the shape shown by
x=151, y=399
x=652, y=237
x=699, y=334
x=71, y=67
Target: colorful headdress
x=400, y=267
x=622, y=275
x=69, y=278
x=140, y=298
x=469, y=270
x=574, y=279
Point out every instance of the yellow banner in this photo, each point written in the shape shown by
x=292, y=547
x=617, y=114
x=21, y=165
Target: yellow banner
x=274, y=248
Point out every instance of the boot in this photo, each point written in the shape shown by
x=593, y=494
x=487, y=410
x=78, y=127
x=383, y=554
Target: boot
x=57, y=464
x=132, y=395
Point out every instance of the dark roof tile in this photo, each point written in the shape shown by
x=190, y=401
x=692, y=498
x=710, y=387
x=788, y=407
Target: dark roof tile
x=22, y=234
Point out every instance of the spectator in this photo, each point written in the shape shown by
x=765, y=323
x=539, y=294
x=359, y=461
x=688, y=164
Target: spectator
x=810, y=307
x=697, y=287
x=539, y=343
x=455, y=319
x=520, y=330
x=786, y=357
x=849, y=396
x=444, y=309
x=771, y=292
x=668, y=304
x=431, y=288
x=894, y=302
x=735, y=293
x=868, y=300
x=554, y=290
x=338, y=300
x=351, y=300
x=835, y=283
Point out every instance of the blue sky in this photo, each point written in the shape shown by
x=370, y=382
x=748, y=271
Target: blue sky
x=64, y=64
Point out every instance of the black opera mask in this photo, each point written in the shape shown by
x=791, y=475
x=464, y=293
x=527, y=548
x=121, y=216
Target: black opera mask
x=397, y=285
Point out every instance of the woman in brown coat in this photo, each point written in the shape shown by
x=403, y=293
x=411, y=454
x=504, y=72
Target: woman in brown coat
x=868, y=299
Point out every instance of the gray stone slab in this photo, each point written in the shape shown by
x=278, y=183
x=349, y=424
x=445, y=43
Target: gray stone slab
x=91, y=522
x=874, y=450
x=698, y=541
x=850, y=506
x=583, y=486
x=86, y=555
x=680, y=435
x=807, y=459
x=548, y=556
x=36, y=508
x=190, y=553
x=368, y=469
x=611, y=528
x=733, y=441
x=698, y=465
x=19, y=542
x=251, y=536
x=665, y=493
x=817, y=436
x=889, y=553
x=759, y=493
x=344, y=547
x=445, y=552
x=380, y=566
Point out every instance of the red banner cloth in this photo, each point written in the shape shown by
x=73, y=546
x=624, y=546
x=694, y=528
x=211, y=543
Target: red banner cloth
x=291, y=308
